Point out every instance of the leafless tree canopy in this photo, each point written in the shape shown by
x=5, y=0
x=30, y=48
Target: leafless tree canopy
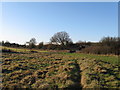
x=32, y=43
x=61, y=38
x=33, y=40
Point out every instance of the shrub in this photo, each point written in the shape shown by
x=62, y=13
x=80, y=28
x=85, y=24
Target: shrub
x=98, y=50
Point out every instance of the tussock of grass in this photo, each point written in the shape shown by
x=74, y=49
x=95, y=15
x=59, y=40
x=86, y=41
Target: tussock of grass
x=58, y=70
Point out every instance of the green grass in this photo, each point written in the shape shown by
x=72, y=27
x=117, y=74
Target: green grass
x=106, y=58
x=23, y=50
x=64, y=70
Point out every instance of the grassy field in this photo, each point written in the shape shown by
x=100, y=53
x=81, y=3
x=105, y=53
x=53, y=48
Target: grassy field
x=25, y=68
x=107, y=58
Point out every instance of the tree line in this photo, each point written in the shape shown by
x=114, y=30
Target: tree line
x=62, y=41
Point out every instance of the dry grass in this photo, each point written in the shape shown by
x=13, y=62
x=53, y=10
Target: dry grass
x=56, y=70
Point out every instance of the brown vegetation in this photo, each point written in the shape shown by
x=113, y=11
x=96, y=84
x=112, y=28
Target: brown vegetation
x=48, y=70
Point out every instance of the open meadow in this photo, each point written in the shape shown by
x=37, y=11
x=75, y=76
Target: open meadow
x=26, y=68
x=59, y=44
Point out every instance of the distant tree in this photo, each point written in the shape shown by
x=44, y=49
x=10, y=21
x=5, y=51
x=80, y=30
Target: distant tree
x=7, y=43
x=40, y=45
x=109, y=41
x=61, y=38
x=2, y=43
x=33, y=40
x=32, y=43
x=112, y=42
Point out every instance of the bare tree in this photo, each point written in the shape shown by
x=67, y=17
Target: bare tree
x=32, y=43
x=40, y=45
x=61, y=38
x=32, y=40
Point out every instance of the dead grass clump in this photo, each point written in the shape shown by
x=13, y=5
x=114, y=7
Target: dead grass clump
x=27, y=72
x=41, y=84
x=15, y=67
x=28, y=80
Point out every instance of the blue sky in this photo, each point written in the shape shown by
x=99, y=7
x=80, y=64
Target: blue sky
x=86, y=21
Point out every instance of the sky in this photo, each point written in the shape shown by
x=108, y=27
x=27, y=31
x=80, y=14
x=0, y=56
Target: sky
x=85, y=21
